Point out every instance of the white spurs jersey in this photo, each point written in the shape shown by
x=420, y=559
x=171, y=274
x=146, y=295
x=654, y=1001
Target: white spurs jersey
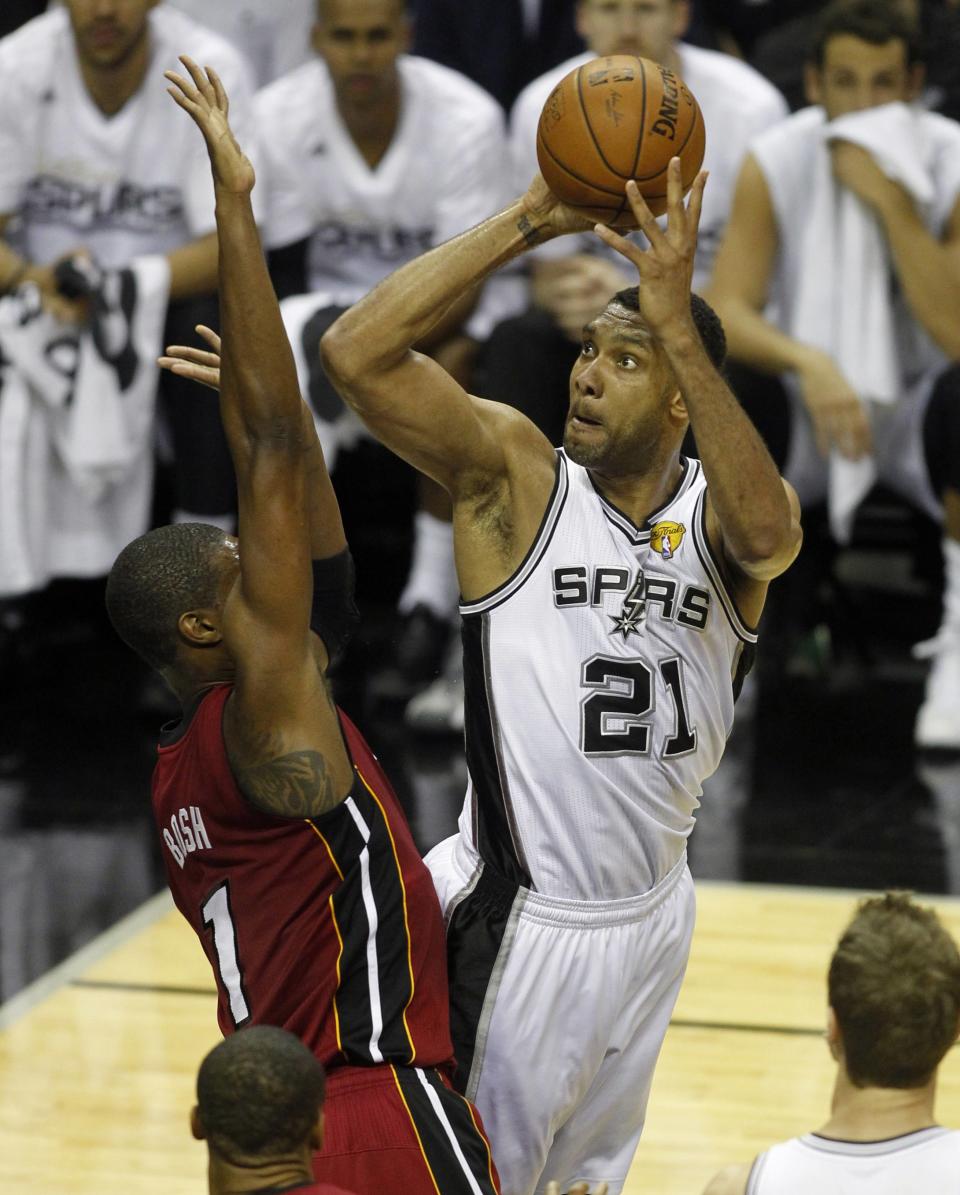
x=444, y=171
x=599, y=690
x=121, y=186
x=927, y=1161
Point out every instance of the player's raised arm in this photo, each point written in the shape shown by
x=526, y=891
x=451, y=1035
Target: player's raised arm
x=752, y=512
x=408, y=401
x=282, y=733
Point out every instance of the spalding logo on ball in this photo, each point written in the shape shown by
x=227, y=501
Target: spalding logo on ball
x=614, y=119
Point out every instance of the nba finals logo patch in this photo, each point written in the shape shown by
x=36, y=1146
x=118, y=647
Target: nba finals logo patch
x=665, y=538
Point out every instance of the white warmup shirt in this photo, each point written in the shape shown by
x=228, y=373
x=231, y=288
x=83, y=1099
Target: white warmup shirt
x=274, y=36
x=737, y=103
x=443, y=172
x=787, y=158
x=121, y=186
x=599, y=687
x=927, y=1161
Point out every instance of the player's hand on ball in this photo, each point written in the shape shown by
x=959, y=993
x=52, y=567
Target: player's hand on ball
x=546, y=212
x=206, y=101
x=665, y=268
x=196, y=364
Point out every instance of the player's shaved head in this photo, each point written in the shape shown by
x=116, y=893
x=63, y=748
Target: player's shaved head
x=333, y=10
x=259, y=1095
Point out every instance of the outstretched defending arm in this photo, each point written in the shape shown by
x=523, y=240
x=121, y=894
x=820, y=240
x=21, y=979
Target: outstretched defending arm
x=752, y=515
x=281, y=729
x=405, y=398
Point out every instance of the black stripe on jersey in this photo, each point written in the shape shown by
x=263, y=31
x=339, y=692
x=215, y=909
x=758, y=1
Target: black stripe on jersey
x=454, y=1150
x=541, y=541
x=475, y=933
x=376, y=982
x=498, y=839
x=714, y=571
x=641, y=535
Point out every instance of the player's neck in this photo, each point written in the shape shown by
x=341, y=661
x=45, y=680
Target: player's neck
x=110, y=87
x=281, y=1174
x=371, y=126
x=878, y=1113
x=638, y=495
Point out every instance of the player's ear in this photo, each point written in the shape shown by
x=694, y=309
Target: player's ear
x=834, y=1040
x=678, y=408
x=196, y=1125
x=200, y=628
x=812, y=83
x=681, y=18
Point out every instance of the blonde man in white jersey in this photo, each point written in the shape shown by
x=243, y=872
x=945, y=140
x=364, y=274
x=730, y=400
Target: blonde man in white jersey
x=894, y=990
x=608, y=602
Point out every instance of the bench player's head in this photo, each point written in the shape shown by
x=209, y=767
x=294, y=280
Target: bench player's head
x=259, y=1108
x=647, y=28
x=865, y=53
x=360, y=42
x=107, y=33
x=894, y=991
x=166, y=595
x=626, y=411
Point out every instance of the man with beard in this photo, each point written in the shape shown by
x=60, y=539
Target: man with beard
x=610, y=594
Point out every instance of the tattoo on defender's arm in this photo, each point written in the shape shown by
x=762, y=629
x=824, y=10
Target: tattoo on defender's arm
x=294, y=785
x=528, y=231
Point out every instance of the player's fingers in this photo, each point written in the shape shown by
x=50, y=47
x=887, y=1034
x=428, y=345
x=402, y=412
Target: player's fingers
x=186, y=352
x=208, y=334
x=181, y=98
x=646, y=221
x=201, y=82
x=676, y=212
x=183, y=86
x=695, y=202
x=627, y=248
x=223, y=103
x=553, y=1189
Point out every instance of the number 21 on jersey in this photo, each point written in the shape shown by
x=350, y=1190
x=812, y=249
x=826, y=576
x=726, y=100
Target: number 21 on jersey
x=617, y=716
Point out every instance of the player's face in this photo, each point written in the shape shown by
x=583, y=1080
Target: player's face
x=107, y=32
x=644, y=27
x=856, y=75
x=621, y=389
x=360, y=41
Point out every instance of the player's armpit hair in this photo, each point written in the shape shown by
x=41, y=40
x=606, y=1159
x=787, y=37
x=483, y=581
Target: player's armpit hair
x=334, y=615
x=705, y=319
x=298, y=784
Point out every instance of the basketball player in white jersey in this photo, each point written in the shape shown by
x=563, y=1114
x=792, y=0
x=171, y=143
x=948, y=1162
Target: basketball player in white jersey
x=894, y=990
x=374, y=156
x=610, y=594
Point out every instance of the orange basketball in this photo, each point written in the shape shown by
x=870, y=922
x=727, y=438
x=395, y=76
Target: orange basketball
x=614, y=119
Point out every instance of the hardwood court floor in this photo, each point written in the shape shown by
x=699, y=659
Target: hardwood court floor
x=97, y=1061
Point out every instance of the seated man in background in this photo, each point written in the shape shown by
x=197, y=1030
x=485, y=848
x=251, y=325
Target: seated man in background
x=259, y=1108
x=847, y=218
x=894, y=992
x=90, y=163
x=375, y=156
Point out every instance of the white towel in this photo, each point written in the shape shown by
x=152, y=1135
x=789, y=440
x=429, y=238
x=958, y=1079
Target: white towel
x=87, y=429
x=844, y=304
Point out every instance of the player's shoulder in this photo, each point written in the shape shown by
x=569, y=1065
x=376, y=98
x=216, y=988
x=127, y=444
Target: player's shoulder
x=724, y=80
x=175, y=33
x=28, y=56
x=450, y=93
x=792, y=135
x=531, y=99
x=732, y=1180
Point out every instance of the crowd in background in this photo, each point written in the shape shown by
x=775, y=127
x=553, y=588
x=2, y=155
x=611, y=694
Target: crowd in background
x=377, y=133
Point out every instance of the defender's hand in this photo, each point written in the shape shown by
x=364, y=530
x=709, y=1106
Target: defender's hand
x=195, y=364
x=206, y=101
x=666, y=268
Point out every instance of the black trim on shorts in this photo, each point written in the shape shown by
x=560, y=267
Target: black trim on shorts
x=474, y=935
x=438, y=1152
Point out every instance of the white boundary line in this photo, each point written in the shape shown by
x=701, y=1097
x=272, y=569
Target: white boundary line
x=27, y=999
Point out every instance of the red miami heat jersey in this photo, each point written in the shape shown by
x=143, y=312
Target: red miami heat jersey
x=328, y=926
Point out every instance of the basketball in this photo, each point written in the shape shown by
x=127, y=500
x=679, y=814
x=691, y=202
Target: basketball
x=614, y=119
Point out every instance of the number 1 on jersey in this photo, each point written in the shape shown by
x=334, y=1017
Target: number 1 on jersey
x=614, y=719
x=218, y=918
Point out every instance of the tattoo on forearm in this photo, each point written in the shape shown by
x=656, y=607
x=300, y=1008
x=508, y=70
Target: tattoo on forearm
x=294, y=785
x=530, y=234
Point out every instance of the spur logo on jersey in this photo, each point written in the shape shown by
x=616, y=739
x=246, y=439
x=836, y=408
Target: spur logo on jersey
x=643, y=593
x=186, y=834
x=665, y=538
x=49, y=199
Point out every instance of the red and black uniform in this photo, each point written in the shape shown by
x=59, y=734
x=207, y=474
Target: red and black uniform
x=328, y=927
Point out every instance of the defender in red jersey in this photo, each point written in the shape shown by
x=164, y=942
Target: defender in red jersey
x=285, y=846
